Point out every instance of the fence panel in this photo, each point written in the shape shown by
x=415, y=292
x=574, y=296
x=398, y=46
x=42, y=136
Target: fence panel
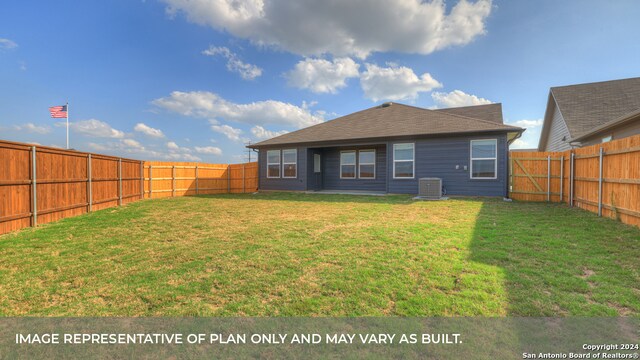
x=15, y=187
x=163, y=179
x=66, y=183
x=607, y=184
x=69, y=183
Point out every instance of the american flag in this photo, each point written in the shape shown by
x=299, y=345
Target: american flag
x=58, y=111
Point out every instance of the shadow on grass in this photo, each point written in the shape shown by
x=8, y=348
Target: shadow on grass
x=557, y=261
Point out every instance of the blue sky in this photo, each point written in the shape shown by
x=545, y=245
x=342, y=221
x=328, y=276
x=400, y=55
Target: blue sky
x=195, y=80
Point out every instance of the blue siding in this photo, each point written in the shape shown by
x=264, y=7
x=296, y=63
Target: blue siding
x=297, y=184
x=331, y=171
x=438, y=157
x=435, y=157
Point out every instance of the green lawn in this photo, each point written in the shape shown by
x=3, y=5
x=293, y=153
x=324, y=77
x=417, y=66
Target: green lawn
x=282, y=254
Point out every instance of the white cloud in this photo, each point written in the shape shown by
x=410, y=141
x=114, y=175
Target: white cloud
x=148, y=130
x=7, y=44
x=94, y=128
x=354, y=27
x=521, y=144
x=528, y=123
x=130, y=147
x=322, y=76
x=394, y=83
x=177, y=149
x=133, y=144
x=181, y=156
x=209, y=150
x=32, y=128
x=262, y=133
x=457, y=98
x=530, y=138
x=98, y=147
x=208, y=105
x=234, y=64
x=228, y=131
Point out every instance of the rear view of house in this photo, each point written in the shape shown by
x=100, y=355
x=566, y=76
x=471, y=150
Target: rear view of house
x=388, y=148
x=587, y=114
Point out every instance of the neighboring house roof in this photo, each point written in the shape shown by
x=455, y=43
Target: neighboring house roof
x=626, y=118
x=394, y=120
x=585, y=107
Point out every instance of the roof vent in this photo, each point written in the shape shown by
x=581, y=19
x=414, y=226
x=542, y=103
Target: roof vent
x=387, y=104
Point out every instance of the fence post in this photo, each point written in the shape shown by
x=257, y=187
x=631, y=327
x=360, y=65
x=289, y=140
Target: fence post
x=600, y=158
x=34, y=195
x=571, y=177
x=228, y=178
x=562, y=178
x=141, y=180
x=89, y=184
x=244, y=189
x=119, y=181
x=150, y=181
x=173, y=180
x=197, y=191
x=548, y=177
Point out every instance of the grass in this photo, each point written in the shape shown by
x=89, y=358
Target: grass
x=283, y=254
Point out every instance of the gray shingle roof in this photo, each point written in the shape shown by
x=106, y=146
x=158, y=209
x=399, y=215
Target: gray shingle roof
x=490, y=112
x=396, y=120
x=587, y=106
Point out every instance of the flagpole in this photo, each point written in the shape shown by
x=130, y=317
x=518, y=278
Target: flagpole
x=67, y=125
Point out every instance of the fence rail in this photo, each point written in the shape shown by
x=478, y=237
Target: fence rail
x=42, y=184
x=165, y=179
x=602, y=178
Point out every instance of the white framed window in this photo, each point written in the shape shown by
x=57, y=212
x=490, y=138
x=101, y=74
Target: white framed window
x=367, y=164
x=290, y=163
x=484, y=159
x=607, y=138
x=273, y=163
x=348, y=164
x=316, y=163
x=404, y=161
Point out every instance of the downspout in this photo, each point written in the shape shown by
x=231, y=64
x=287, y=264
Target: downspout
x=257, y=157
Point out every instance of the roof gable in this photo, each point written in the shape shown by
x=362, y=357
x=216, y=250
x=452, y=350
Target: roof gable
x=391, y=120
x=587, y=106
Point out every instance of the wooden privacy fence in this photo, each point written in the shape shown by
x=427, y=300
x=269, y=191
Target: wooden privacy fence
x=41, y=184
x=164, y=179
x=602, y=178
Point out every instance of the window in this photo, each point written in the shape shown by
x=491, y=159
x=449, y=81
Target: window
x=289, y=163
x=403, y=161
x=367, y=164
x=347, y=165
x=273, y=163
x=316, y=163
x=607, y=138
x=484, y=163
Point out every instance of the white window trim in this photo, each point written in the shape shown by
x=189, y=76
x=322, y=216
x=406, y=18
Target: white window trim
x=495, y=170
x=355, y=164
x=290, y=163
x=413, y=161
x=373, y=163
x=278, y=163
